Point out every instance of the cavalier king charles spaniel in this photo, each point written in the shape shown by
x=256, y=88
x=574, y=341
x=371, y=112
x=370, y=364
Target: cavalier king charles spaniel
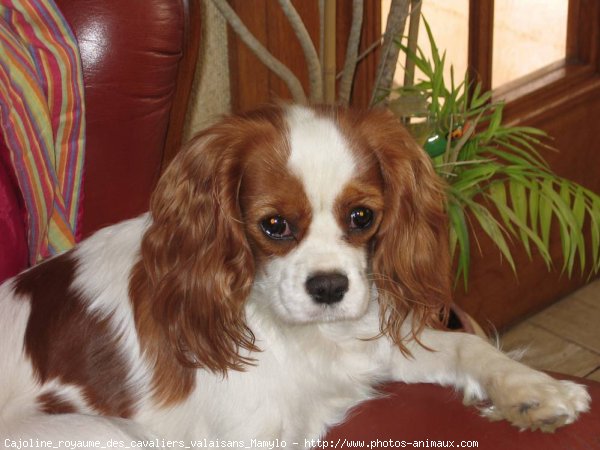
x=293, y=259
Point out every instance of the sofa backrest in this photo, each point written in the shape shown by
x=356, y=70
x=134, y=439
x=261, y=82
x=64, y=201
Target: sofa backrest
x=136, y=58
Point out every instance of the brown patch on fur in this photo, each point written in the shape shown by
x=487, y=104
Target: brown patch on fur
x=197, y=266
x=410, y=258
x=65, y=342
x=365, y=191
x=268, y=189
x=53, y=403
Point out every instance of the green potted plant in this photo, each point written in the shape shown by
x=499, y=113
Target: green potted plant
x=496, y=174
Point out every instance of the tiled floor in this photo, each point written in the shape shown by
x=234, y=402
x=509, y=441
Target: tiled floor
x=563, y=338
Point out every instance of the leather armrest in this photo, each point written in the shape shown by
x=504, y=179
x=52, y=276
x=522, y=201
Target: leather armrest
x=422, y=412
x=132, y=53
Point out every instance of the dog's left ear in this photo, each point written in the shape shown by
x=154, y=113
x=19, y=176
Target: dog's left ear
x=411, y=260
x=196, y=268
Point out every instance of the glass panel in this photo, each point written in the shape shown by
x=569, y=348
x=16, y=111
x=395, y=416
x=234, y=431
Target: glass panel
x=528, y=35
x=449, y=21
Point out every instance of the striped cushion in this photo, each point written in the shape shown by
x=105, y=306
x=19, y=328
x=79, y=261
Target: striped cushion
x=42, y=119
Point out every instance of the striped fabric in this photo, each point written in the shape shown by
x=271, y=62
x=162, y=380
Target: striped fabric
x=42, y=119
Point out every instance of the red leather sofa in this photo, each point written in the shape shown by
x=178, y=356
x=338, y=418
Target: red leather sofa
x=423, y=415
x=138, y=60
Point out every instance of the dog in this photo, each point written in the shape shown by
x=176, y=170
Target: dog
x=293, y=258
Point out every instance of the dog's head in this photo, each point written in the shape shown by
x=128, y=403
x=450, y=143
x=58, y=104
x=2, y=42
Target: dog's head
x=307, y=207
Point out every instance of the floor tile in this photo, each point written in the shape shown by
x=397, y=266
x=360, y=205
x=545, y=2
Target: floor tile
x=576, y=318
x=595, y=375
x=546, y=351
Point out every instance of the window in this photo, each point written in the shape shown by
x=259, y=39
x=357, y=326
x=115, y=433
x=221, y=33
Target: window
x=528, y=35
x=513, y=46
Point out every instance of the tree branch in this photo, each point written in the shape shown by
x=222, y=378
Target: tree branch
x=276, y=66
x=329, y=53
x=413, y=37
x=351, y=53
x=389, y=53
x=363, y=55
x=310, y=53
x=321, y=30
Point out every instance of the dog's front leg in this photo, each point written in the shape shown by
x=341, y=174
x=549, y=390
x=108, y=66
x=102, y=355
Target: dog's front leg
x=524, y=396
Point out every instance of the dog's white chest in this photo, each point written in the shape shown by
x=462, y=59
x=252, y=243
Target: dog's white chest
x=298, y=387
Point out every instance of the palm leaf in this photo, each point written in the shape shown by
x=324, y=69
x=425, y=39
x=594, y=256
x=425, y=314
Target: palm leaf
x=518, y=199
x=459, y=236
x=492, y=166
x=493, y=228
x=524, y=228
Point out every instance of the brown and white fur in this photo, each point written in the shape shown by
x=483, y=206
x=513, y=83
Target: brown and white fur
x=292, y=259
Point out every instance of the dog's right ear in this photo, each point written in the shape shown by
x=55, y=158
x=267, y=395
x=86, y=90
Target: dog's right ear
x=196, y=268
x=411, y=259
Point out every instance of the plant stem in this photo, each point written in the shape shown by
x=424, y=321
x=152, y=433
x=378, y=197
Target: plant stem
x=413, y=37
x=329, y=52
x=276, y=66
x=310, y=53
x=351, y=52
x=389, y=54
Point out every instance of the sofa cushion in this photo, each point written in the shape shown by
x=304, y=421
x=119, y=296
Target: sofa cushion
x=130, y=52
x=425, y=412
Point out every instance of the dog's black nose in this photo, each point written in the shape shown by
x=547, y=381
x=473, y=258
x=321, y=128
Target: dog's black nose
x=327, y=287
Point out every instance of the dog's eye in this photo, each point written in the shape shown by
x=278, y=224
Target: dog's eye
x=276, y=227
x=360, y=218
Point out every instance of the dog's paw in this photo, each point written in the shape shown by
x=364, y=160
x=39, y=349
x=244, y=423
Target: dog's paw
x=534, y=400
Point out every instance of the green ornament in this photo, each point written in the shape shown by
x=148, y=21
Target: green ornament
x=435, y=145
